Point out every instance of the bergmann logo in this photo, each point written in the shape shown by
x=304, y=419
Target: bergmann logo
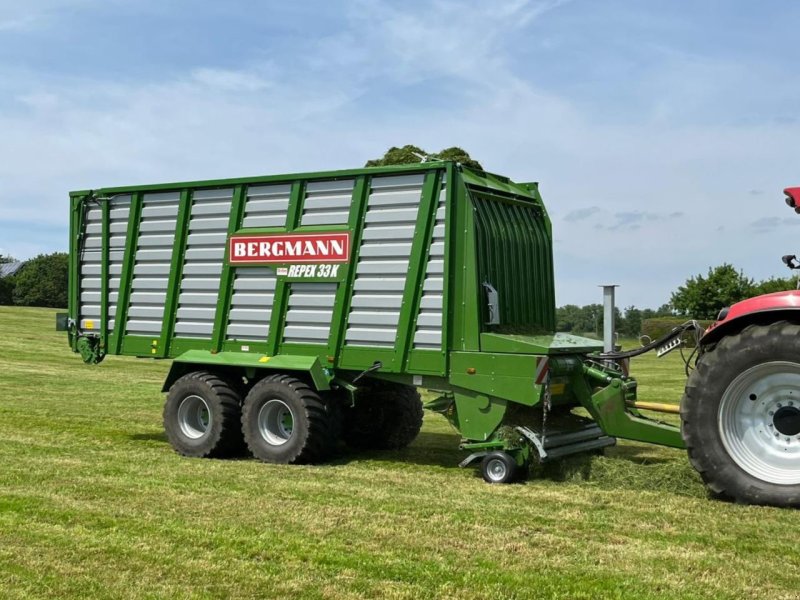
x=289, y=248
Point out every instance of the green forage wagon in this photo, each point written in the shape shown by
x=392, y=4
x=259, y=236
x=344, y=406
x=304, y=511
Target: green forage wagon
x=302, y=310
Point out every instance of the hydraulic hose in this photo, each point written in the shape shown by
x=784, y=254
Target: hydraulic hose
x=674, y=333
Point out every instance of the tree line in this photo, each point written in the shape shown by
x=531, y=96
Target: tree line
x=41, y=281
x=701, y=297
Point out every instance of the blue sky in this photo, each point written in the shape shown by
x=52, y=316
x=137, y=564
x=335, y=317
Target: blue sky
x=661, y=132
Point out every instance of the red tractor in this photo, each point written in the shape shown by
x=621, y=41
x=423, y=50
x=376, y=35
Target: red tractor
x=741, y=410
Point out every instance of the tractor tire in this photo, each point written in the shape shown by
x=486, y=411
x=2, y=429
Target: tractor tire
x=741, y=416
x=285, y=422
x=202, y=416
x=386, y=416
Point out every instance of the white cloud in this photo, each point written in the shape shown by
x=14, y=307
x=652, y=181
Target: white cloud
x=35, y=14
x=230, y=80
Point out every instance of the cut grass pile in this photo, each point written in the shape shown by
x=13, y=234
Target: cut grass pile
x=95, y=504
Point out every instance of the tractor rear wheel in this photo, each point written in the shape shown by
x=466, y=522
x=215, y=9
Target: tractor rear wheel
x=202, y=416
x=386, y=416
x=284, y=421
x=741, y=416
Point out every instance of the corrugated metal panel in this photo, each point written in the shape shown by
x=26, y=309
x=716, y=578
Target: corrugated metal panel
x=202, y=267
x=118, y=213
x=327, y=202
x=267, y=205
x=91, y=259
x=251, y=304
x=428, y=334
x=382, y=267
x=152, y=263
x=309, y=312
x=512, y=238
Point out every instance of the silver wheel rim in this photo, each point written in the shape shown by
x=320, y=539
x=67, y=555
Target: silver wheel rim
x=194, y=417
x=496, y=470
x=758, y=422
x=275, y=422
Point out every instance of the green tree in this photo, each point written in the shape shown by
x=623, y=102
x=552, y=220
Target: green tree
x=631, y=325
x=409, y=154
x=6, y=283
x=43, y=281
x=6, y=290
x=665, y=310
x=775, y=284
x=703, y=297
x=568, y=317
x=591, y=320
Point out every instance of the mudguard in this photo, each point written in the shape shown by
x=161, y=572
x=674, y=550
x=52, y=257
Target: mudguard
x=761, y=309
x=794, y=194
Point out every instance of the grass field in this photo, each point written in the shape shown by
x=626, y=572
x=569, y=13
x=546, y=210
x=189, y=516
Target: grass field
x=95, y=504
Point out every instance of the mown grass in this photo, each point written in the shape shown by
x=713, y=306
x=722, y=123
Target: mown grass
x=95, y=504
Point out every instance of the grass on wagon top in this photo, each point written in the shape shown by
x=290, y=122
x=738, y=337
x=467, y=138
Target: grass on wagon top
x=95, y=504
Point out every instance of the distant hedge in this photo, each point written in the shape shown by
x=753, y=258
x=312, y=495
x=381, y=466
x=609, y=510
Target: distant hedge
x=42, y=281
x=655, y=328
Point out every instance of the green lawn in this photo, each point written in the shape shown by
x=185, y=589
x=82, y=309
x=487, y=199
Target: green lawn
x=95, y=504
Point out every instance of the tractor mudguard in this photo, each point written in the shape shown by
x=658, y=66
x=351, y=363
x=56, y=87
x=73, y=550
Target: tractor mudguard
x=761, y=309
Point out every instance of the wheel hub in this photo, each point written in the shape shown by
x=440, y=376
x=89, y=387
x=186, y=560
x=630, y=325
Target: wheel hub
x=275, y=422
x=496, y=469
x=194, y=417
x=759, y=422
x=787, y=420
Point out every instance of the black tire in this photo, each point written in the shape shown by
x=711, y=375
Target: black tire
x=284, y=421
x=386, y=416
x=202, y=416
x=723, y=398
x=499, y=467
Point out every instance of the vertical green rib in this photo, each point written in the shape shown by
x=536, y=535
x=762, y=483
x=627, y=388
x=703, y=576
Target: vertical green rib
x=175, y=272
x=449, y=255
x=129, y=261
x=226, y=278
x=412, y=292
x=104, y=273
x=74, y=283
x=281, y=299
x=344, y=293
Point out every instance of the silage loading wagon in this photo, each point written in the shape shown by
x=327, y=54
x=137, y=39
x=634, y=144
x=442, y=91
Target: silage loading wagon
x=304, y=310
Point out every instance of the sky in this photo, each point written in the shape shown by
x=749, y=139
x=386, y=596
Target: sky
x=662, y=133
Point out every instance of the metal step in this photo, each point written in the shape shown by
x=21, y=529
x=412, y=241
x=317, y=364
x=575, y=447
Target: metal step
x=564, y=443
x=556, y=439
x=587, y=446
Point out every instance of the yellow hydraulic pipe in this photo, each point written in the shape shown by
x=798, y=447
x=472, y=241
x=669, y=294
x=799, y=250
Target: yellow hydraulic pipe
x=657, y=406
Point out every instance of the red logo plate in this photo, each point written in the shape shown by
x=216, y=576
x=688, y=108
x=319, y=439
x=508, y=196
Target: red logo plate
x=287, y=248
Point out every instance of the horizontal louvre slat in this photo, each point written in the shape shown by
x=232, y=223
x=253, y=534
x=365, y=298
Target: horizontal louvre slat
x=379, y=284
x=266, y=205
x=381, y=272
x=251, y=304
x=327, y=202
x=252, y=315
x=202, y=266
x=374, y=317
x=377, y=300
x=309, y=312
x=371, y=336
x=385, y=250
x=428, y=333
